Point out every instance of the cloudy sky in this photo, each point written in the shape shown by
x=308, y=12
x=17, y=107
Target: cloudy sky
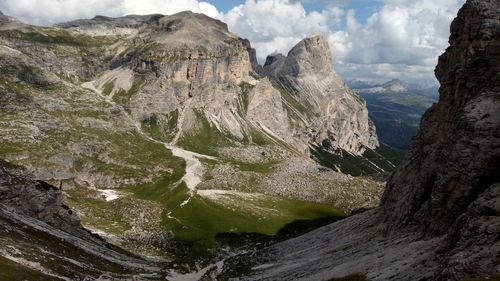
x=373, y=40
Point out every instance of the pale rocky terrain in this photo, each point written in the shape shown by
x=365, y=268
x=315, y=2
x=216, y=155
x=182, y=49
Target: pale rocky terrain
x=163, y=131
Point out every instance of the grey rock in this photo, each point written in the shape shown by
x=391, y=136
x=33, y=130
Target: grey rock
x=333, y=112
x=273, y=64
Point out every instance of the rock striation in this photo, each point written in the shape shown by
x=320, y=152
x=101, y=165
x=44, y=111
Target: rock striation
x=440, y=214
x=333, y=115
x=36, y=225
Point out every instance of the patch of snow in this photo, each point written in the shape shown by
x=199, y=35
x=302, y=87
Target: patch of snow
x=187, y=200
x=215, y=194
x=109, y=194
x=194, y=168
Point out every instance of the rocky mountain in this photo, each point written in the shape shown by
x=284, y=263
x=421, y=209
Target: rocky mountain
x=393, y=86
x=103, y=103
x=440, y=217
x=332, y=112
x=325, y=112
x=166, y=137
x=396, y=110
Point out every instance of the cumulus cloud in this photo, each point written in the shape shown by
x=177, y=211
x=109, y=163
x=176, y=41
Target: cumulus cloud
x=276, y=25
x=401, y=39
x=47, y=12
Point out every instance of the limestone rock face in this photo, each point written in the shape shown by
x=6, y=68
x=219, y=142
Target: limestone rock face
x=266, y=109
x=334, y=115
x=273, y=64
x=310, y=56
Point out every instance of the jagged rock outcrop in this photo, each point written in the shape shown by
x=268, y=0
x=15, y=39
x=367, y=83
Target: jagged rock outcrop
x=38, y=200
x=273, y=64
x=266, y=109
x=452, y=160
x=333, y=114
x=43, y=235
x=440, y=214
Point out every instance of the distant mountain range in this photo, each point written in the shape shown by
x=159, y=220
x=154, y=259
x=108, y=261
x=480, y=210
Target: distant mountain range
x=395, y=108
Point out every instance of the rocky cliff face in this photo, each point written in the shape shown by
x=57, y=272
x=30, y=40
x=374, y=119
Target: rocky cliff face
x=44, y=238
x=452, y=158
x=440, y=214
x=334, y=116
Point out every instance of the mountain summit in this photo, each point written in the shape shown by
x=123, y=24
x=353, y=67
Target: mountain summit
x=395, y=86
x=334, y=115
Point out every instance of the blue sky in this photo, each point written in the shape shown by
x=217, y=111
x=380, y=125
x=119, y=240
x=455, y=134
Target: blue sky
x=370, y=40
x=364, y=8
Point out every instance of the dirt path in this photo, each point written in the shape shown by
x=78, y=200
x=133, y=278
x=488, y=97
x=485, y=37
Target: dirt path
x=194, y=168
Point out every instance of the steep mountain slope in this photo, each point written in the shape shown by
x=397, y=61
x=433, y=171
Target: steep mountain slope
x=440, y=215
x=330, y=111
x=164, y=138
x=396, y=110
x=326, y=113
x=42, y=239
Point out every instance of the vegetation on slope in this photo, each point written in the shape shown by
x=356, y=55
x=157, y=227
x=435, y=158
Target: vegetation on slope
x=397, y=115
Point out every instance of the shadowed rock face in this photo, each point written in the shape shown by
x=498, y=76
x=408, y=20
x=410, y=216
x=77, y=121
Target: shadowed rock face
x=440, y=215
x=3, y=18
x=454, y=158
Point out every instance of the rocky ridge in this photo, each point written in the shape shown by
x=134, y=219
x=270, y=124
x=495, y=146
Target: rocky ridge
x=176, y=77
x=49, y=240
x=393, y=86
x=334, y=116
x=440, y=217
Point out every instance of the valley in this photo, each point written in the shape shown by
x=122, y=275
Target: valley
x=396, y=110
x=180, y=155
x=155, y=147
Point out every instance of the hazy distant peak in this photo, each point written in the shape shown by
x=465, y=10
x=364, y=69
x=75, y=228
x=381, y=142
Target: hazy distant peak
x=396, y=86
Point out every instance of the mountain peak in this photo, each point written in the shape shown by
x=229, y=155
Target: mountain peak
x=178, y=30
x=396, y=86
x=3, y=18
x=310, y=56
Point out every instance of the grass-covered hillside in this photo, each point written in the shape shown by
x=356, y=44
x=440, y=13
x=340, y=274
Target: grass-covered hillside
x=396, y=110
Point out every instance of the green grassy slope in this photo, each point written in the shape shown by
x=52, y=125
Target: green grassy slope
x=381, y=159
x=397, y=115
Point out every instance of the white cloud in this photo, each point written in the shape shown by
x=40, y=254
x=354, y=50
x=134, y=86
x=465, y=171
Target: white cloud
x=276, y=25
x=401, y=39
x=46, y=12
